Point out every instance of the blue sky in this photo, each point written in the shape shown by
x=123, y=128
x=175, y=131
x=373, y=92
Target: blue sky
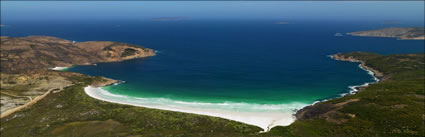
x=141, y=10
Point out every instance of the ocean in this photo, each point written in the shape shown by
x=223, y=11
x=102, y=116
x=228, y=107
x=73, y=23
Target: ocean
x=235, y=69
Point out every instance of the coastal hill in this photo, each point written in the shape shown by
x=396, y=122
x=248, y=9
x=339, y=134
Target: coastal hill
x=42, y=52
x=411, y=33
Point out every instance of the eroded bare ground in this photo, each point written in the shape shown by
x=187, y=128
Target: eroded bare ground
x=19, y=89
x=9, y=102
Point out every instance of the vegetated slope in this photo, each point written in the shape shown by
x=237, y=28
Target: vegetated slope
x=72, y=113
x=393, y=107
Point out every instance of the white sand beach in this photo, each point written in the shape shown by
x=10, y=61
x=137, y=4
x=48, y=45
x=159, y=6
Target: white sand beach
x=263, y=119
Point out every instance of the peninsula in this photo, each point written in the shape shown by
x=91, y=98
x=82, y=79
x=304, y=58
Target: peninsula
x=42, y=52
x=410, y=33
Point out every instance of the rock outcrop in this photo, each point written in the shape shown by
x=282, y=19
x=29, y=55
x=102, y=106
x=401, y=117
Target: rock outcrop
x=343, y=57
x=42, y=52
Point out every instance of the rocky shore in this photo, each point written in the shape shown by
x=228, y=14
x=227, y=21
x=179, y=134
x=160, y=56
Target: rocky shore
x=105, y=82
x=325, y=109
x=342, y=57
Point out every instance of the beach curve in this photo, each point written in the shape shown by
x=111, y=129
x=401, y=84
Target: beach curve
x=263, y=118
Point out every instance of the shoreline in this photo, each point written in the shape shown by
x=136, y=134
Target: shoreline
x=377, y=76
x=264, y=120
x=357, y=88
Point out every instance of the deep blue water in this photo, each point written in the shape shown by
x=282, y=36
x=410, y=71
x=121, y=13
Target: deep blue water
x=228, y=61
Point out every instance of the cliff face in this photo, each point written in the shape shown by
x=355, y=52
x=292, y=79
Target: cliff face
x=42, y=52
x=412, y=33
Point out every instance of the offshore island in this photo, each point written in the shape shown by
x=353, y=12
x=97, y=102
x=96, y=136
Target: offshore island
x=409, y=33
x=39, y=101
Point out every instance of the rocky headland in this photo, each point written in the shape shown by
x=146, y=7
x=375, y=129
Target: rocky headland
x=343, y=57
x=42, y=52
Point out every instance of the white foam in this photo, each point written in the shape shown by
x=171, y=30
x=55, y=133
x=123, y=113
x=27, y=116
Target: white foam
x=354, y=88
x=370, y=73
x=265, y=116
x=59, y=68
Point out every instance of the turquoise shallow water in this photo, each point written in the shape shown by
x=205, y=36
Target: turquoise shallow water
x=233, y=65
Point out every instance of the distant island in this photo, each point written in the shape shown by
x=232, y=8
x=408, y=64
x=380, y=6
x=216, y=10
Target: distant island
x=338, y=35
x=410, y=33
x=281, y=22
